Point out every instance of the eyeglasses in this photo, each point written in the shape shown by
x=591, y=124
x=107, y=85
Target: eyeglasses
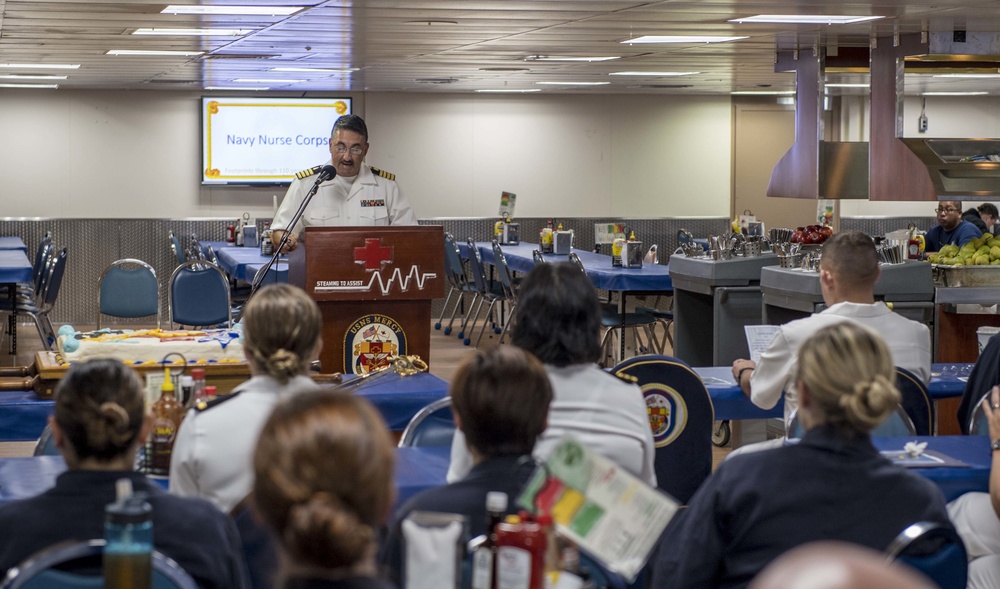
x=937, y=210
x=341, y=148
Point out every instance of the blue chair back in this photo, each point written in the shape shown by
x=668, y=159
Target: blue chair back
x=260, y=549
x=935, y=550
x=42, y=255
x=433, y=425
x=476, y=269
x=46, y=445
x=979, y=425
x=128, y=288
x=54, y=282
x=39, y=570
x=453, y=261
x=199, y=295
x=681, y=415
x=506, y=279
x=916, y=401
x=897, y=425
x=175, y=247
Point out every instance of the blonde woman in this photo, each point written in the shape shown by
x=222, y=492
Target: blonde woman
x=212, y=455
x=324, y=485
x=832, y=485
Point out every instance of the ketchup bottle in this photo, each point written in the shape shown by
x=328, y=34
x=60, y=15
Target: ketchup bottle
x=521, y=549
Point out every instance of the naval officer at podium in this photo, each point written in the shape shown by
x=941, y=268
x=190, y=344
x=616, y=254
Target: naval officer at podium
x=358, y=195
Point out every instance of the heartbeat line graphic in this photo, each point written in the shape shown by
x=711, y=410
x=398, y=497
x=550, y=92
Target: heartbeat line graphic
x=397, y=276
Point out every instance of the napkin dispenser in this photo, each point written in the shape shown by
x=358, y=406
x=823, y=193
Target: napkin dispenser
x=562, y=242
x=632, y=254
x=510, y=234
x=250, y=235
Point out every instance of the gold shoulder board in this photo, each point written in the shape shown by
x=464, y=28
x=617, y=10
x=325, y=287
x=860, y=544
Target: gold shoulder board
x=386, y=175
x=308, y=172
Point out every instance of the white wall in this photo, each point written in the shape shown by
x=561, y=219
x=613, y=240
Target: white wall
x=95, y=154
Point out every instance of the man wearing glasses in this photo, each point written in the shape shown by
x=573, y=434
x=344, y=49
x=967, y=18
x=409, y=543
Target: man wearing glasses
x=358, y=195
x=951, y=229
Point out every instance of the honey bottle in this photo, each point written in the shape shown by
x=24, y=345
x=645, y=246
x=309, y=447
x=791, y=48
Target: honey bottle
x=167, y=416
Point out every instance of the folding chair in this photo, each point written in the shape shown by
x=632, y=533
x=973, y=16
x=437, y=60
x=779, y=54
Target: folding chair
x=459, y=282
x=680, y=415
x=53, y=568
x=916, y=401
x=935, y=550
x=128, y=289
x=39, y=306
x=485, y=292
x=433, y=425
x=198, y=295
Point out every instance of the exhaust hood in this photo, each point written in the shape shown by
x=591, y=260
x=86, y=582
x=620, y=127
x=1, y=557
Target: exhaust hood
x=890, y=167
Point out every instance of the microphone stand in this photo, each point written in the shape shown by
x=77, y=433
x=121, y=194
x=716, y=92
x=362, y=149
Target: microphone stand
x=258, y=279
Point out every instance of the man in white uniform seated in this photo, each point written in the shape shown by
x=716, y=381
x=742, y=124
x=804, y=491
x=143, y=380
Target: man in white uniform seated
x=358, y=195
x=847, y=274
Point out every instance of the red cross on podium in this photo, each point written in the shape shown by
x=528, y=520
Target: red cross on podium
x=373, y=255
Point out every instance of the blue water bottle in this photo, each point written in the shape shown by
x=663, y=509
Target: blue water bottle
x=128, y=536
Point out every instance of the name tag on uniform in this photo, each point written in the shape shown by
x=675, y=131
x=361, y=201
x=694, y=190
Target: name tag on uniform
x=373, y=203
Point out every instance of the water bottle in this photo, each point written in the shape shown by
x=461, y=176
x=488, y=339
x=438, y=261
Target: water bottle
x=128, y=537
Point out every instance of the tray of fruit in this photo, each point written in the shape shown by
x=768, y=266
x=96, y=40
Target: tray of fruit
x=976, y=263
x=811, y=234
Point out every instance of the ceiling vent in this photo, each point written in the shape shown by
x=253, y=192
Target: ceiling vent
x=436, y=80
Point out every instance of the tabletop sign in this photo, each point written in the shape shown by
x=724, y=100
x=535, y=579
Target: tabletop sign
x=507, y=202
x=607, y=233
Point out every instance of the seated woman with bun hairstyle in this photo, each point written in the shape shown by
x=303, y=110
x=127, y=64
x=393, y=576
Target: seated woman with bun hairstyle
x=212, y=454
x=831, y=485
x=98, y=426
x=324, y=485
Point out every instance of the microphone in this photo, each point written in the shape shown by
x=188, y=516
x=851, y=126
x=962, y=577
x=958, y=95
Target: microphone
x=326, y=173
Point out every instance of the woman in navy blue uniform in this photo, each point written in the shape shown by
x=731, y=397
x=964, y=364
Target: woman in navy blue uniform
x=324, y=485
x=831, y=485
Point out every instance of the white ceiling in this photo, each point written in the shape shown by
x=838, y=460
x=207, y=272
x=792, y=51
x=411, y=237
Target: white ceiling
x=482, y=44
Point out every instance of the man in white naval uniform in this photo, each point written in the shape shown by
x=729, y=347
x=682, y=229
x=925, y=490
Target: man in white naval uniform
x=848, y=273
x=358, y=195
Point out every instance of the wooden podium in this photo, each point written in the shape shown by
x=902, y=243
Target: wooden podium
x=374, y=286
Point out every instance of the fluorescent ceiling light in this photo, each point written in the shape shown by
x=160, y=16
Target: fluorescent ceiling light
x=955, y=93
x=763, y=92
x=238, y=10
x=845, y=85
x=30, y=77
x=318, y=70
x=50, y=86
x=682, y=39
x=567, y=58
x=195, y=32
x=658, y=74
x=805, y=19
x=41, y=66
x=266, y=81
x=966, y=75
x=227, y=88
x=511, y=91
x=573, y=83
x=154, y=52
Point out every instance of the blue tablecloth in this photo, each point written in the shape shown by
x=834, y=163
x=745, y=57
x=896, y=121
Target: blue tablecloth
x=12, y=243
x=14, y=267
x=953, y=481
x=417, y=469
x=243, y=263
x=649, y=278
x=730, y=402
x=23, y=415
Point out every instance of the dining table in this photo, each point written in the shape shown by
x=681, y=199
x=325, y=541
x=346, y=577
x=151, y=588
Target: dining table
x=243, y=263
x=650, y=279
x=15, y=268
x=956, y=464
x=23, y=414
x=13, y=243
